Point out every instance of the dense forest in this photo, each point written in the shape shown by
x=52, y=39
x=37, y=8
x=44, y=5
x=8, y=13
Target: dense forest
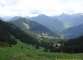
x=5, y=37
x=74, y=45
x=7, y=30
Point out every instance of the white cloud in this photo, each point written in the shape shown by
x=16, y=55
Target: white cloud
x=35, y=7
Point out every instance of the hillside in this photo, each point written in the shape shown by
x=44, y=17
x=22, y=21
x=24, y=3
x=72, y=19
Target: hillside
x=16, y=53
x=7, y=30
x=78, y=41
x=5, y=37
x=33, y=26
x=73, y=31
x=73, y=45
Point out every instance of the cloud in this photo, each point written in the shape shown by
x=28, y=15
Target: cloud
x=35, y=7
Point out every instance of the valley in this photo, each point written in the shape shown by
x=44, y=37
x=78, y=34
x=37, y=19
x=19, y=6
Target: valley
x=41, y=29
x=24, y=38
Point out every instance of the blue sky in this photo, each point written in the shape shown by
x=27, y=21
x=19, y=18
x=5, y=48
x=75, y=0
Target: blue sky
x=36, y=7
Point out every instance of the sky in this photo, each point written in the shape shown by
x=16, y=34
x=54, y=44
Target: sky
x=36, y=7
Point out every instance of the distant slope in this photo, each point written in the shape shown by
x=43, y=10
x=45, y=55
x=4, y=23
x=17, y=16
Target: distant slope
x=71, y=20
x=27, y=25
x=51, y=23
x=73, y=31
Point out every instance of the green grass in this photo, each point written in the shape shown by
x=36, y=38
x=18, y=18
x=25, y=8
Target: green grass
x=66, y=25
x=16, y=53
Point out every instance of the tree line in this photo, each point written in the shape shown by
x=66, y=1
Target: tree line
x=74, y=45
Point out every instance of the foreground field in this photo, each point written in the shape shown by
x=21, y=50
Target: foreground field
x=17, y=53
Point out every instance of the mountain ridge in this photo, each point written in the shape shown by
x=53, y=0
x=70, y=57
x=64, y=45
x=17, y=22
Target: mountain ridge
x=49, y=22
x=72, y=20
x=26, y=25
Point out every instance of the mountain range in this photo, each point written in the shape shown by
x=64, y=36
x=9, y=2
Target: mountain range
x=58, y=24
x=33, y=26
x=71, y=20
x=51, y=23
x=68, y=25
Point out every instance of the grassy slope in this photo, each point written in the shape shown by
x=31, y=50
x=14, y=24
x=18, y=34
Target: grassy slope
x=66, y=25
x=16, y=53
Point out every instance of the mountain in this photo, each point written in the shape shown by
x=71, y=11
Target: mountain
x=15, y=18
x=9, y=30
x=71, y=20
x=6, y=18
x=1, y=18
x=33, y=26
x=9, y=18
x=49, y=22
x=73, y=31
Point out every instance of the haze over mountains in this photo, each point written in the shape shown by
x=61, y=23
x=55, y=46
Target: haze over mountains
x=68, y=25
x=51, y=23
x=58, y=24
x=71, y=20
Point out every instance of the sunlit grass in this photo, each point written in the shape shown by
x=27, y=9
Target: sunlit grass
x=16, y=53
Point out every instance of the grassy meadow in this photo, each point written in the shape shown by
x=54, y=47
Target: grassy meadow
x=17, y=53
